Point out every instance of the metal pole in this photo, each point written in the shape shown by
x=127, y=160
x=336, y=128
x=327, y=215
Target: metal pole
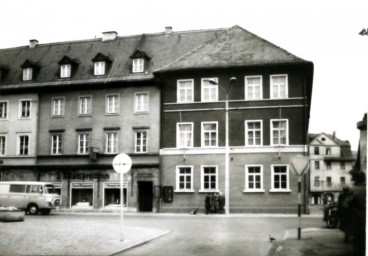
x=299, y=205
x=227, y=186
x=121, y=206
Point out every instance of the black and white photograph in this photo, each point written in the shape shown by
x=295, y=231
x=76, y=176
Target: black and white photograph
x=185, y=128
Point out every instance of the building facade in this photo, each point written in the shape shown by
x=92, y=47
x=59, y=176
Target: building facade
x=361, y=162
x=198, y=111
x=331, y=160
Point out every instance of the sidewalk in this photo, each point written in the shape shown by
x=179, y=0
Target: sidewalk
x=314, y=242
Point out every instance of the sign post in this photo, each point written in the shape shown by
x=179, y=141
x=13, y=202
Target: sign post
x=122, y=164
x=300, y=164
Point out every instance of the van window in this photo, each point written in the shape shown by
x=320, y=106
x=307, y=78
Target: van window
x=49, y=189
x=36, y=189
x=17, y=188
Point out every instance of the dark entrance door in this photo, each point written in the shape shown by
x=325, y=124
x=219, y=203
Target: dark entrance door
x=145, y=196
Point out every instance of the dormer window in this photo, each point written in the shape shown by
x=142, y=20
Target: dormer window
x=65, y=70
x=100, y=68
x=138, y=65
x=27, y=74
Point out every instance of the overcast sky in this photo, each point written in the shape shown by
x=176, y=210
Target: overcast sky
x=324, y=32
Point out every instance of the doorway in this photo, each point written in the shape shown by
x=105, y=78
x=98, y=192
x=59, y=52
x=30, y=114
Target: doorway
x=145, y=196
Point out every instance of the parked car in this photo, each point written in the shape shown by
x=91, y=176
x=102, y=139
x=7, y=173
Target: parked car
x=31, y=196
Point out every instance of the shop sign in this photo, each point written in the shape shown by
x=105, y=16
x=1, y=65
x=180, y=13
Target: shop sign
x=82, y=185
x=114, y=185
x=57, y=185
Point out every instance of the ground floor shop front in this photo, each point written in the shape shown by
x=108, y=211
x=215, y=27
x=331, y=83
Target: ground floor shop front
x=96, y=189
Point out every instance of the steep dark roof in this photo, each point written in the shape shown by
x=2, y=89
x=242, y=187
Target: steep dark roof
x=168, y=51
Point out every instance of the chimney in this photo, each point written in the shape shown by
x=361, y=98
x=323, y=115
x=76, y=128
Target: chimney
x=168, y=30
x=334, y=135
x=33, y=43
x=109, y=35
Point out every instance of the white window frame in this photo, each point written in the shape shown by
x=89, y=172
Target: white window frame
x=253, y=132
x=84, y=141
x=142, y=145
x=140, y=106
x=58, y=108
x=317, y=166
x=138, y=65
x=178, y=175
x=287, y=132
x=65, y=70
x=27, y=74
x=19, y=153
x=202, y=178
x=87, y=111
x=286, y=87
x=99, y=68
x=316, y=180
x=203, y=133
x=114, y=148
x=273, y=189
x=114, y=108
x=205, y=84
x=247, y=175
x=57, y=145
x=178, y=144
x=3, y=144
x=5, y=113
x=247, y=86
x=185, y=91
x=21, y=109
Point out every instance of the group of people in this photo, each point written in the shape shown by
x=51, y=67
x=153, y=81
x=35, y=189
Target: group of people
x=352, y=212
x=214, y=203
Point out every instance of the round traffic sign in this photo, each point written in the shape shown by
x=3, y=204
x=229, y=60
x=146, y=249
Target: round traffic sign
x=122, y=163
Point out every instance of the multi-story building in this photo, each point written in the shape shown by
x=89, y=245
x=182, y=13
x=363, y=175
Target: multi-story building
x=169, y=91
x=331, y=160
x=235, y=110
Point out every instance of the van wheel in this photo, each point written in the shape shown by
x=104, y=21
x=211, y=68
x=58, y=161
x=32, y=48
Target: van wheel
x=45, y=211
x=32, y=209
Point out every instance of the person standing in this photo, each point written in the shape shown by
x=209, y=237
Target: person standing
x=207, y=203
x=343, y=213
x=221, y=200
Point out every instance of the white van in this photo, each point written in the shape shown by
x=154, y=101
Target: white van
x=31, y=196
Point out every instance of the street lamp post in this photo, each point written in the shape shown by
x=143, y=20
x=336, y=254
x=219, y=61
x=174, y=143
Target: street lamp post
x=227, y=148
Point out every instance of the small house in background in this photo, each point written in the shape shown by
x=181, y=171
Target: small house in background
x=331, y=160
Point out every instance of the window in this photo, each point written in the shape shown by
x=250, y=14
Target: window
x=253, y=87
x=27, y=74
x=83, y=143
x=328, y=165
x=184, y=179
x=279, y=86
x=56, y=144
x=3, y=109
x=209, y=91
x=141, y=102
x=328, y=151
x=280, y=178
x=58, y=106
x=2, y=145
x=253, y=178
x=209, y=178
x=184, y=135
x=342, y=165
x=253, y=133
x=328, y=181
x=85, y=105
x=316, y=165
x=342, y=181
x=185, y=91
x=316, y=150
x=316, y=181
x=99, y=69
x=65, y=70
x=209, y=134
x=23, y=143
x=279, y=132
x=140, y=142
x=25, y=109
x=138, y=65
x=111, y=143
x=112, y=104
